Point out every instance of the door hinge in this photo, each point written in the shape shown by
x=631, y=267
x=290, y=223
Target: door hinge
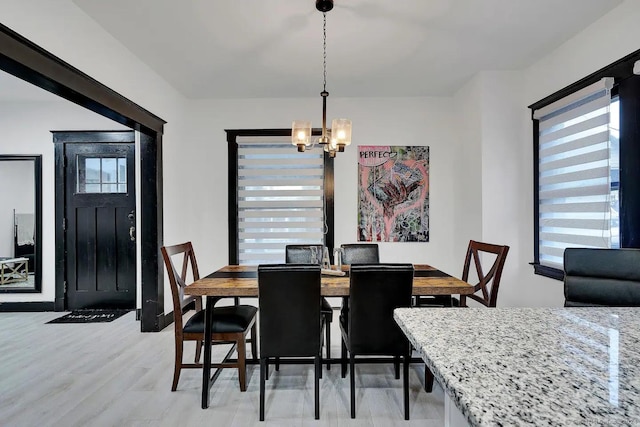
x=64, y=224
x=65, y=286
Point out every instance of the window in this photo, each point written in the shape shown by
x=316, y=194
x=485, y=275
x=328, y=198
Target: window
x=574, y=188
x=102, y=175
x=587, y=161
x=280, y=194
x=614, y=164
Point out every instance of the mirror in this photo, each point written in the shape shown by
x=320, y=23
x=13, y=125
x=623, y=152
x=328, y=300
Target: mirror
x=21, y=223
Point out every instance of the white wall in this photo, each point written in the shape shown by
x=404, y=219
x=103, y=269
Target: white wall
x=398, y=121
x=64, y=30
x=610, y=38
x=467, y=172
x=26, y=129
x=480, y=142
x=490, y=203
x=508, y=210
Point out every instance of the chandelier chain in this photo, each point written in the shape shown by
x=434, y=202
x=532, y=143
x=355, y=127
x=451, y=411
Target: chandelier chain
x=324, y=49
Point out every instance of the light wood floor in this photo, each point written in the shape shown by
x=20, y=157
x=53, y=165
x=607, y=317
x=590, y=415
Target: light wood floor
x=110, y=374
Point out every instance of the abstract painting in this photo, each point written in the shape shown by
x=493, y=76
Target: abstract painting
x=393, y=194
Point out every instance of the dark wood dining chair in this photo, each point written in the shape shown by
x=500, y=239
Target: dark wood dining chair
x=230, y=324
x=369, y=329
x=601, y=277
x=312, y=254
x=290, y=319
x=485, y=290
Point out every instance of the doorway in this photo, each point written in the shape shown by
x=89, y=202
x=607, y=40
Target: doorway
x=28, y=61
x=99, y=226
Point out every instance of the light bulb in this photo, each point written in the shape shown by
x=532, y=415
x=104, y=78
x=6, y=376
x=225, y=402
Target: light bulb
x=300, y=133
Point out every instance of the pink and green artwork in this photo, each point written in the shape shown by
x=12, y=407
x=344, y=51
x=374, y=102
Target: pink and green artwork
x=393, y=194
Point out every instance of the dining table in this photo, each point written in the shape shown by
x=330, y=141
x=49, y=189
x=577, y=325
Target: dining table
x=242, y=281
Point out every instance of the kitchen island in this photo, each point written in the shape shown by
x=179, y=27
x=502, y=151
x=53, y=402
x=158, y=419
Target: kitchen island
x=531, y=366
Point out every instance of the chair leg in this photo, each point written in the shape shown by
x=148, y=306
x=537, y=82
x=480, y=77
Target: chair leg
x=352, y=377
x=317, y=371
x=343, y=359
x=428, y=379
x=277, y=363
x=254, y=342
x=405, y=385
x=396, y=366
x=198, y=351
x=323, y=326
x=177, y=366
x=266, y=364
x=263, y=369
x=242, y=363
x=328, y=342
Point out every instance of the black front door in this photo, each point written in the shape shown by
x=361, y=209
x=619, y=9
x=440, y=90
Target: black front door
x=100, y=219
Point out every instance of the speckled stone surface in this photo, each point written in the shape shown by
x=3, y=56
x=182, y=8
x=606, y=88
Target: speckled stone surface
x=533, y=366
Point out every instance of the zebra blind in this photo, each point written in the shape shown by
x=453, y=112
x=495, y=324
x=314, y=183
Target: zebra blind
x=280, y=198
x=574, y=173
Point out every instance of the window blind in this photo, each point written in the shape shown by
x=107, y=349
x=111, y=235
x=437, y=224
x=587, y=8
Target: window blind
x=574, y=173
x=280, y=198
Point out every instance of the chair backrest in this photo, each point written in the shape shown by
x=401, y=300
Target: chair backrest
x=601, y=277
x=178, y=278
x=375, y=290
x=486, y=290
x=289, y=307
x=303, y=254
x=360, y=253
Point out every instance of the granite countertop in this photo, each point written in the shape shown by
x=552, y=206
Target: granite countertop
x=533, y=366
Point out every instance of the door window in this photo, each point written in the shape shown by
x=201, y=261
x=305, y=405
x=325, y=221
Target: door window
x=101, y=175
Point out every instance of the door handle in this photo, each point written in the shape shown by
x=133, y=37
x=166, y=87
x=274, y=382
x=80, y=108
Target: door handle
x=132, y=233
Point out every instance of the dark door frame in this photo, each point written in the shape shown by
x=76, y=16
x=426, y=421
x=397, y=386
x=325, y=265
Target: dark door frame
x=61, y=139
x=28, y=61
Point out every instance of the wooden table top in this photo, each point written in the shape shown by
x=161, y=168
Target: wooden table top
x=242, y=281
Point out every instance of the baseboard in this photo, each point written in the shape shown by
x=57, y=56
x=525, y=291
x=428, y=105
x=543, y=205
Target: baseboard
x=167, y=319
x=26, y=306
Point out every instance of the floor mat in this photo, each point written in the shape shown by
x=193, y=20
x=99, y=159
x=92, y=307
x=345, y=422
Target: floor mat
x=90, y=316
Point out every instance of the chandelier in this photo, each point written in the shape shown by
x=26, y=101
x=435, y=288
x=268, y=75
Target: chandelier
x=339, y=136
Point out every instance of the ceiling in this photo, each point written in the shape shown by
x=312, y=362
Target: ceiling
x=375, y=48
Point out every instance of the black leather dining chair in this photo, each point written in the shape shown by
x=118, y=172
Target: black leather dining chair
x=312, y=254
x=290, y=321
x=368, y=328
x=360, y=253
x=601, y=277
x=357, y=253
